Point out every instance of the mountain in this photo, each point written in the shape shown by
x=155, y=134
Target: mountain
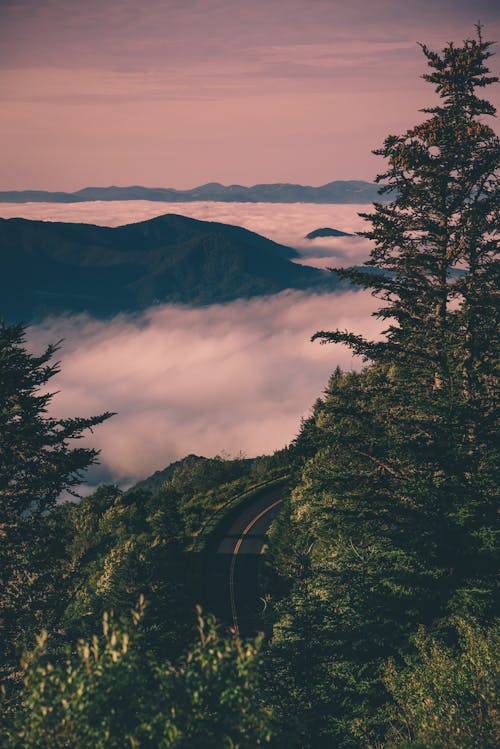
x=327, y=232
x=52, y=268
x=339, y=191
x=154, y=482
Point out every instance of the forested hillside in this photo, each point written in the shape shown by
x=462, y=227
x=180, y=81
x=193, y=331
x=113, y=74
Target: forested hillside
x=54, y=268
x=380, y=624
x=391, y=526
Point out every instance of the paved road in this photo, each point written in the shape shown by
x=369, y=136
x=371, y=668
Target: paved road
x=232, y=564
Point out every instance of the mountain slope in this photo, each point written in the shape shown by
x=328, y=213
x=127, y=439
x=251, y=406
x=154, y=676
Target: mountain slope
x=49, y=268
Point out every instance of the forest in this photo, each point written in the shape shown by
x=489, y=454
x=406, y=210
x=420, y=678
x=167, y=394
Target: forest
x=380, y=625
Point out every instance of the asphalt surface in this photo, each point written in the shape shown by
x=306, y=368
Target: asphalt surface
x=232, y=561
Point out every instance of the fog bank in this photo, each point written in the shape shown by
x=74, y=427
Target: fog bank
x=287, y=223
x=225, y=378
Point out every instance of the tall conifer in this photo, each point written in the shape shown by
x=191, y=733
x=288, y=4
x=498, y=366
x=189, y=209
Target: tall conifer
x=396, y=509
x=37, y=462
x=435, y=247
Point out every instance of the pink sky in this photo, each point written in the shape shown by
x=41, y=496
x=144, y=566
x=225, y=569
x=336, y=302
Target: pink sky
x=178, y=93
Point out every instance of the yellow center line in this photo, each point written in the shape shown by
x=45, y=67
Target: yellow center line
x=235, y=555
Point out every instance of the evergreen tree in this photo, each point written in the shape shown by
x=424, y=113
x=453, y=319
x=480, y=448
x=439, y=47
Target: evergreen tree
x=444, y=217
x=397, y=507
x=37, y=463
x=435, y=244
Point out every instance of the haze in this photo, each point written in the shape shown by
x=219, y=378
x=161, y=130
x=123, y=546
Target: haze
x=176, y=94
x=220, y=379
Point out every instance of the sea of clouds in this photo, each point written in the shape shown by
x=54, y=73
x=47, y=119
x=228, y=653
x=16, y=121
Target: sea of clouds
x=229, y=378
x=287, y=223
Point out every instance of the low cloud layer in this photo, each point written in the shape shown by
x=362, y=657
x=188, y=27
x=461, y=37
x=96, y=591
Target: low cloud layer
x=287, y=223
x=226, y=378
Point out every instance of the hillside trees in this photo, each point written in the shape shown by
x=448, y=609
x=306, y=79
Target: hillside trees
x=120, y=545
x=37, y=462
x=436, y=244
x=394, y=516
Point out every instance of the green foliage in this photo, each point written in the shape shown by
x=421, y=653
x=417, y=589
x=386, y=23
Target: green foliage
x=448, y=696
x=215, y=694
x=37, y=462
x=111, y=693
x=393, y=520
x=120, y=545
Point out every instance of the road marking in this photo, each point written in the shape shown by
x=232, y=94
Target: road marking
x=237, y=547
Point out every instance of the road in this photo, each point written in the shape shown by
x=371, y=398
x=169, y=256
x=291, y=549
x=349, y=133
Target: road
x=232, y=564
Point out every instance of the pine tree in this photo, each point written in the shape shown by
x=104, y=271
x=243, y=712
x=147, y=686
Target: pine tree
x=37, y=462
x=443, y=219
x=435, y=246
x=397, y=507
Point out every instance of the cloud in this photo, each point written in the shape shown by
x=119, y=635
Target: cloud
x=284, y=223
x=166, y=33
x=222, y=378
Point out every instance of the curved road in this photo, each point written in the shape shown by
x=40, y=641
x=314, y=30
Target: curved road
x=232, y=563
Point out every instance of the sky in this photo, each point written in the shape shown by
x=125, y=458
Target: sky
x=176, y=93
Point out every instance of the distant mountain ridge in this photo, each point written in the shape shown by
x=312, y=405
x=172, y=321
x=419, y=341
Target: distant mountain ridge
x=339, y=191
x=53, y=268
